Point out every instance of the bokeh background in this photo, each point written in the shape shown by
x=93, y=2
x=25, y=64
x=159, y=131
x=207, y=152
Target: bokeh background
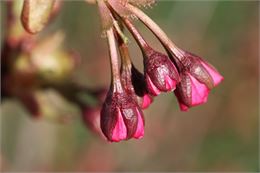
x=221, y=135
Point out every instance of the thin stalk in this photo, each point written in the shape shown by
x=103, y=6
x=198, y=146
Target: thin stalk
x=137, y=36
x=115, y=79
x=124, y=52
x=158, y=32
x=139, y=39
x=119, y=31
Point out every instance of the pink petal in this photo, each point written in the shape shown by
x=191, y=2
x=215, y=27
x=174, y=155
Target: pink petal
x=147, y=100
x=120, y=131
x=169, y=83
x=139, y=133
x=183, y=107
x=152, y=88
x=217, y=78
x=199, y=92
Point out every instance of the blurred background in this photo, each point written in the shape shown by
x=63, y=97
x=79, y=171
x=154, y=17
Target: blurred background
x=221, y=135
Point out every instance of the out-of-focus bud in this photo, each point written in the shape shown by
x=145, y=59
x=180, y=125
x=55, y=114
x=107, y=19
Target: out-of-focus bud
x=56, y=8
x=91, y=118
x=121, y=117
x=160, y=73
x=15, y=33
x=197, y=78
x=46, y=60
x=36, y=14
x=90, y=104
x=48, y=105
x=51, y=62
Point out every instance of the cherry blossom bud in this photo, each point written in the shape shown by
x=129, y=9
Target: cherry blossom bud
x=36, y=14
x=133, y=81
x=160, y=73
x=197, y=78
x=121, y=117
x=190, y=92
x=144, y=98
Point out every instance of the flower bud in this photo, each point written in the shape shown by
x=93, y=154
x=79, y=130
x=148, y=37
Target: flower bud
x=190, y=92
x=51, y=61
x=144, y=98
x=160, y=73
x=48, y=104
x=197, y=78
x=133, y=81
x=35, y=14
x=121, y=117
x=15, y=34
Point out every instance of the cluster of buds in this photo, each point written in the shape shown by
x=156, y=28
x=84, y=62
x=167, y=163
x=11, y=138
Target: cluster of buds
x=121, y=117
x=187, y=75
x=31, y=65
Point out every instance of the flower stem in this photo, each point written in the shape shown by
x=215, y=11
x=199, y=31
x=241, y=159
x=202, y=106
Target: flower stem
x=119, y=31
x=158, y=32
x=115, y=79
x=124, y=52
x=138, y=37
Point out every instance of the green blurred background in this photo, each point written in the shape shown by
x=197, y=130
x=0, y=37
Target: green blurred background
x=221, y=135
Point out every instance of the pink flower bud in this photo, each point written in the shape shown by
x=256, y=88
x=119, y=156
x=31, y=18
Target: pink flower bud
x=190, y=92
x=160, y=73
x=146, y=101
x=143, y=98
x=197, y=78
x=121, y=117
x=217, y=78
x=133, y=82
